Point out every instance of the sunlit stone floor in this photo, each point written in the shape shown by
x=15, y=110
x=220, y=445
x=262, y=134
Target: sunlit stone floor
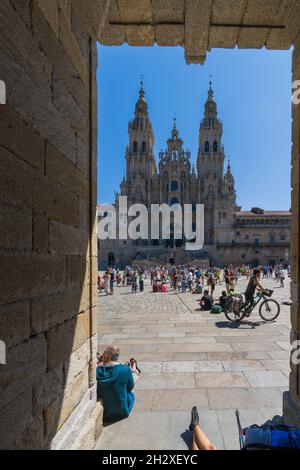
x=194, y=358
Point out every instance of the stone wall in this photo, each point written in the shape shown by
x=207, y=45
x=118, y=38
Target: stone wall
x=291, y=401
x=48, y=152
x=48, y=240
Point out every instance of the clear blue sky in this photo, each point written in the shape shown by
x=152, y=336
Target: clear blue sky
x=253, y=92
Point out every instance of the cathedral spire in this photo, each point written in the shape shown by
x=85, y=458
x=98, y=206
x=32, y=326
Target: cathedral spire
x=142, y=91
x=229, y=176
x=228, y=166
x=210, y=105
x=141, y=107
x=210, y=91
x=175, y=132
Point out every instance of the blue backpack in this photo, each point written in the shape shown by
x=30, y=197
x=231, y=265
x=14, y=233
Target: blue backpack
x=271, y=437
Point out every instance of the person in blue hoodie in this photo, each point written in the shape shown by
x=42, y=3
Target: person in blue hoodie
x=115, y=384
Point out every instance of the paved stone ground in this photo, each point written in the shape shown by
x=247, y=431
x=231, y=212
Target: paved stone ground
x=194, y=358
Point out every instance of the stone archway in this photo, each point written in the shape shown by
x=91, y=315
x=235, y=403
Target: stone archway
x=48, y=148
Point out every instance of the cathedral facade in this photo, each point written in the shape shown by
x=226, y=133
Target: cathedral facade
x=230, y=235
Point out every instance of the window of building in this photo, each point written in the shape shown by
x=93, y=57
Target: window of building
x=215, y=147
x=144, y=146
x=206, y=147
x=174, y=200
x=174, y=185
x=135, y=147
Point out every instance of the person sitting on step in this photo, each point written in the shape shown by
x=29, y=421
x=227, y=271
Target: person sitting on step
x=206, y=302
x=115, y=384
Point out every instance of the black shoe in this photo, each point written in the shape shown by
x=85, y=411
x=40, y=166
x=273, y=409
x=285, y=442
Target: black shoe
x=194, y=419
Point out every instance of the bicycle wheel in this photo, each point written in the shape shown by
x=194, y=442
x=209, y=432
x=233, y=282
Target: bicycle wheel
x=269, y=310
x=232, y=316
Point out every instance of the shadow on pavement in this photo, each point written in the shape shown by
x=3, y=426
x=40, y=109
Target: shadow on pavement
x=241, y=325
x=187, y=438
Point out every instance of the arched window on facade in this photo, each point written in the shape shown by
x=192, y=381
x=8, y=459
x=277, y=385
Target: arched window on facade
x=206, y=147
x=215, y=147
x=135, y=147
x=144, y=147
x=174, y=185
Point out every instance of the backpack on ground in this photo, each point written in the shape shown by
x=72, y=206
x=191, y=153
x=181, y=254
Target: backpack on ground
x=216, y=309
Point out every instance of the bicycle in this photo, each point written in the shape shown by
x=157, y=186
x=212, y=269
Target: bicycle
x=236, y=309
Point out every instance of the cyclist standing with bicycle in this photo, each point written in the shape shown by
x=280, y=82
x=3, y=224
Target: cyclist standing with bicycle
x=269, y=309
x=252, y=286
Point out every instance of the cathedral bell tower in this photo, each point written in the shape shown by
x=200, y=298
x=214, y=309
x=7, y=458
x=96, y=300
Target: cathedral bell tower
x=140, y=161
x=210, y=162
x=210, y=166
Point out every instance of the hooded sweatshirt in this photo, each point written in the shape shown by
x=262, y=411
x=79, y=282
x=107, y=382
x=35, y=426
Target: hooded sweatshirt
x=114, y=385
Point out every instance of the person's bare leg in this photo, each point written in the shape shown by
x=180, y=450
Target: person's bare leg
x=194, y=445
x=201, y=441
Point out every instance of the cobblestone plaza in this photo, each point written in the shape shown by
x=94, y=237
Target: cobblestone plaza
x=191, y=358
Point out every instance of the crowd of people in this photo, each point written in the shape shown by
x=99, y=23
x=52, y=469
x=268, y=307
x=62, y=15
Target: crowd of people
x=196, y=280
